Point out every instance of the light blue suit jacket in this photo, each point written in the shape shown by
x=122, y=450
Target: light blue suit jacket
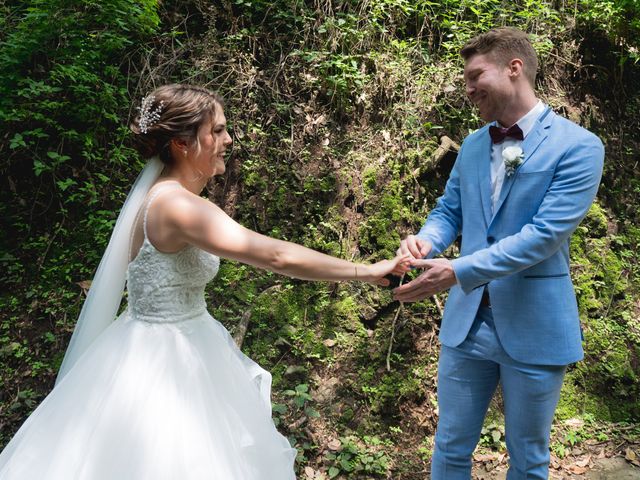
x=521, y=252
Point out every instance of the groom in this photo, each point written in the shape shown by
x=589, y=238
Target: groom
x=519, y=188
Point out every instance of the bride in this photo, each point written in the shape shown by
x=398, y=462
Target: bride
x=163, y=392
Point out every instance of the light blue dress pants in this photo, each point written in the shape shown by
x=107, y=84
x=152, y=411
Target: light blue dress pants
x=467, y=379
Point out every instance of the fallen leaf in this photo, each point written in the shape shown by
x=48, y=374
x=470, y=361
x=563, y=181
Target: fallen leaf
x=309, y=472
x=321, y=120
x=334, y=445
x=85, y=285
x=575, y=423
x=326, y=389
x=485, y=457
x=584, y=462
x=329, y=342
x=577, y=470
x=630, y=455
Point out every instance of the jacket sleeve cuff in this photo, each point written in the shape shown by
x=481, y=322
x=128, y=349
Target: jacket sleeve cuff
x=463, y=268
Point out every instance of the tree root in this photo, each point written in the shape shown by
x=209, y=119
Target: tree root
x=446, y=145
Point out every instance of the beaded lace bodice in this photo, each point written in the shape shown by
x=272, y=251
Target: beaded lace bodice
x=168, y=287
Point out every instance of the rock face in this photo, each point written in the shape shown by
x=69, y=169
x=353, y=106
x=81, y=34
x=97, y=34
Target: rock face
x=615, y=468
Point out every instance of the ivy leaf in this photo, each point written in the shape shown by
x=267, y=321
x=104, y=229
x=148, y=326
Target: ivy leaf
x=17, y=141
x=39, y=167
x=65, y=184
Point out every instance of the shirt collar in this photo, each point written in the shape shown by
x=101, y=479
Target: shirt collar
x=527, y=122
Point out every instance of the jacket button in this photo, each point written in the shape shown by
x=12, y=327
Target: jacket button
x=491, y=240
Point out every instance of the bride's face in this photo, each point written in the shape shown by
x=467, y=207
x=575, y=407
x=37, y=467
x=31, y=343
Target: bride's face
x=207, y=154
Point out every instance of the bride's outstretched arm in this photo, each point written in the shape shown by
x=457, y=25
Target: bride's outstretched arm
x=199, y=222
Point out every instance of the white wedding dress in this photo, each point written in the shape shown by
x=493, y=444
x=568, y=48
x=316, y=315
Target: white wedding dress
x=162, y=394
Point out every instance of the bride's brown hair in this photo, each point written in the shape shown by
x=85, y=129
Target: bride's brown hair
x=181, y=110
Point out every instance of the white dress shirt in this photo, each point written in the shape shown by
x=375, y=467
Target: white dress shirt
x=526, y=124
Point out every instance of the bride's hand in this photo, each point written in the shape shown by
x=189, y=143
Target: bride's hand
x=376, y=272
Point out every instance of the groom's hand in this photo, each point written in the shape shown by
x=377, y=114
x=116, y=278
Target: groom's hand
x=416, y=247
x=438, y=275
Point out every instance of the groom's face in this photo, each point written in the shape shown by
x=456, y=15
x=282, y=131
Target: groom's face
x=488, y=86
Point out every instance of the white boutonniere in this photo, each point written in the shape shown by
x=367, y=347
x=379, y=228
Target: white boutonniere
x=512, y=158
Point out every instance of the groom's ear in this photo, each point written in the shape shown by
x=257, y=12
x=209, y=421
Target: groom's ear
x=516, y=67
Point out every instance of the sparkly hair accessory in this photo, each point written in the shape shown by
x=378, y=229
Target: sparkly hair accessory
x=148, y=116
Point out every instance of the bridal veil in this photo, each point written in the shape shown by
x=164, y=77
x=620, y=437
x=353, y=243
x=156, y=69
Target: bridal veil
x=105, y=294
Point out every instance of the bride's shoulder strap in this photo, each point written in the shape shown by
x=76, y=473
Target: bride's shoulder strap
x=155, y=191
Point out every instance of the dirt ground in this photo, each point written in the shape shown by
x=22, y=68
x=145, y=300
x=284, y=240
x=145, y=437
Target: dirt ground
x=611, y=468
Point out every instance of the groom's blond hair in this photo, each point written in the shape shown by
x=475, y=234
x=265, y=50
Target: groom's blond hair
x=503, y=45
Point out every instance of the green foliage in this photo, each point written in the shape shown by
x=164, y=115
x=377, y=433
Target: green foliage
x=300, y=395
x=336, y=109
x=603, y=266
x=617, y=19
x=573, y=433
x=383, y=390
x=492, y=435
x=61, y=61
x=358, y=457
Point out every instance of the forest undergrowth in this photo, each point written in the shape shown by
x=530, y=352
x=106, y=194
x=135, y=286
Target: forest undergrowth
x=346, y=116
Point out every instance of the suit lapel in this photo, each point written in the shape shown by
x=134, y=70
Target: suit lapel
x=483, y=164
x=529, y=147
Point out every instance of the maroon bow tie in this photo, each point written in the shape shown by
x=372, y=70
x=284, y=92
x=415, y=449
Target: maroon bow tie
x=499, y=134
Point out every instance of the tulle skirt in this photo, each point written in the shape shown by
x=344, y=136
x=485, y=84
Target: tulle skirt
x=155, y=401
